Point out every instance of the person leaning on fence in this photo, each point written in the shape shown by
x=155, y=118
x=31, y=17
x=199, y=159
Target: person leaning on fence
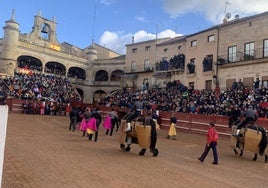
x=172, y=132
x=212, y=139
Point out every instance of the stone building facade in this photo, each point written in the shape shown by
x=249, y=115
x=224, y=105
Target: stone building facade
x=218, y=56
x=221, y=55
x=94, y=71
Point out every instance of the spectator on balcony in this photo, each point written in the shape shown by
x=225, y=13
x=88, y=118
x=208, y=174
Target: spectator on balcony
x=257, y=84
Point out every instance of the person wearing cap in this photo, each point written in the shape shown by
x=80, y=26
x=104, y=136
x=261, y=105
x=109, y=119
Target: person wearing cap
x=250, y=116
x=212, y=139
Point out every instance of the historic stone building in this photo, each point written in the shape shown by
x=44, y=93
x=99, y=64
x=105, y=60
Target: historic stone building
x=220, y=55
x=94, y=71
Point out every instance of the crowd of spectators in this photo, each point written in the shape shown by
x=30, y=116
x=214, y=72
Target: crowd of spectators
x=37, y=85
x=176, y=97
x=45, y=91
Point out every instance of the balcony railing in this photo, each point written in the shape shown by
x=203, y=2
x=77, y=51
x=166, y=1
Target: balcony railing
x=242, y=56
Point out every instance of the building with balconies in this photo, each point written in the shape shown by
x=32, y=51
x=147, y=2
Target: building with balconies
x=220, y=55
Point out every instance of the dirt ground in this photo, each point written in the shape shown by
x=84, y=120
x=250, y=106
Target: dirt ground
x=41, y=152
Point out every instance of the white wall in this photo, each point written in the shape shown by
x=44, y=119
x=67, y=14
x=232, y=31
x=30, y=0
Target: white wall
x=3, y=128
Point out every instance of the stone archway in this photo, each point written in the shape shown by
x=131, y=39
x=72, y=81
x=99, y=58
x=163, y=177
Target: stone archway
x=76, y=72
x=30, y=63
x=54, y=67
x=99, y=96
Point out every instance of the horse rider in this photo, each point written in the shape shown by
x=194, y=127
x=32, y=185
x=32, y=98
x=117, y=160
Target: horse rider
x=135, y=112
x=250, y=117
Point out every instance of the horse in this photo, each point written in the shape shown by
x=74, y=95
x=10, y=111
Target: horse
x=251, y=137
x=142, y=132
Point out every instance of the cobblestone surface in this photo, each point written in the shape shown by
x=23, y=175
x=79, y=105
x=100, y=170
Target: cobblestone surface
x=41, y=152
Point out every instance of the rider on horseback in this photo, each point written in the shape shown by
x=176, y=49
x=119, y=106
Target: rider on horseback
x=250, y=117
x=135, y=112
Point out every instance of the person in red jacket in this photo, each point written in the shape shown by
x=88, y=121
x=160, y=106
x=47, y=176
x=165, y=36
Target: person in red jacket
x=212, y=139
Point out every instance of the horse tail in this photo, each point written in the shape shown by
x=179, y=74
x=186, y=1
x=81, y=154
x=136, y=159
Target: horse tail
x=263, y=142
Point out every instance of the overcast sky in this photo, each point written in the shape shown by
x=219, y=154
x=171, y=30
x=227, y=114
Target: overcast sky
x=112, y=23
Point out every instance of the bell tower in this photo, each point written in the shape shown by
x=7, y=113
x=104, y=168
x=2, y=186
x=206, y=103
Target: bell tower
x=44, y=30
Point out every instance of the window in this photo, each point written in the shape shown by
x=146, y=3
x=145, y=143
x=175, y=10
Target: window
x=191, y=85
x=211, y=38
x=179, y=47
x=249, y=51
x=165, y=50
x=147, y=66
x=193, y=43
x=133, y=66
x=265, y=48
x=134, y=50
x=207, y=63
x=147, y=48
x=208, y=84
x=232, y=54
x=191, y=66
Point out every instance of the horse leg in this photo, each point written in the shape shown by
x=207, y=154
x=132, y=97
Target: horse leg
x=241, y=153
x=255, y=157
x=142, y=152
x=235, y=151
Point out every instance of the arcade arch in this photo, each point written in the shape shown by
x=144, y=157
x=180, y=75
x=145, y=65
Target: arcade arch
x=76, y=72
x=99, y=95
x=101, y=75
x=55, y=68
x=29, y=62
x=116, y=75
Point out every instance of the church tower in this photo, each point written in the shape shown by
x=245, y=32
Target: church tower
x=10, y=46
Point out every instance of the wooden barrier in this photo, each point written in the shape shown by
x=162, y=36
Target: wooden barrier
x=195, y=123
x=189, y=123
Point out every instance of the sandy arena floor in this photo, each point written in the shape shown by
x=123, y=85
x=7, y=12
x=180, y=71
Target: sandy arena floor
x=41, y=152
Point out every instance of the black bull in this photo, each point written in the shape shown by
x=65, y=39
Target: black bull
x=240, y=138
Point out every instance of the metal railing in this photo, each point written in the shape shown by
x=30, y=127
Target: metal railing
x=242, y=56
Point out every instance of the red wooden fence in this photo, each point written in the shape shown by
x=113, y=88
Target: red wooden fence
x=189, y=123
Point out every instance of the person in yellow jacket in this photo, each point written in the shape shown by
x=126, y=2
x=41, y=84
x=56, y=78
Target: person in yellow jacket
x=172, y=132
